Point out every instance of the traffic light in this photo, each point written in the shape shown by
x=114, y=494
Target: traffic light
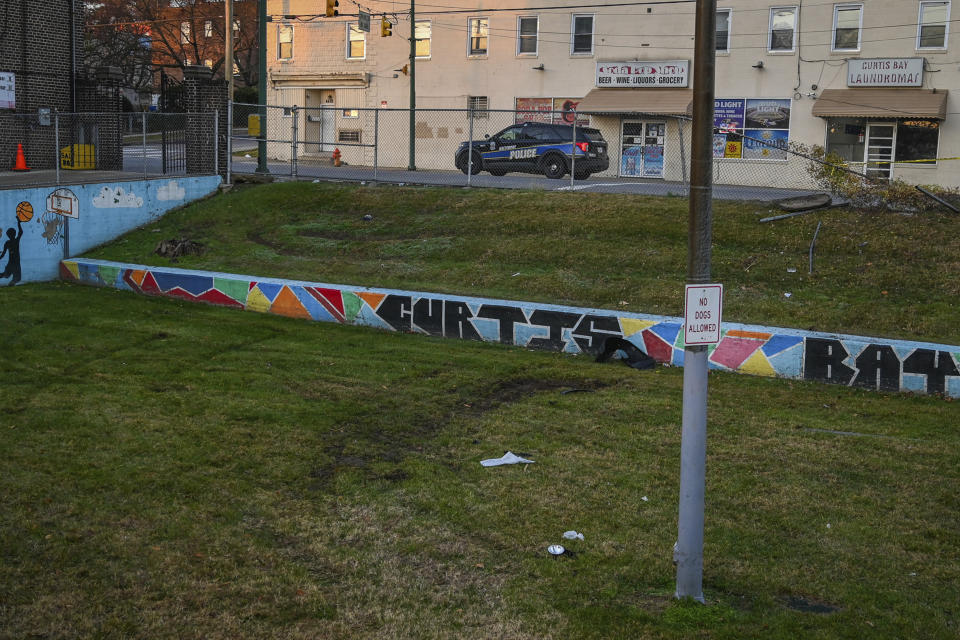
x=332, y=10
x=385, y=28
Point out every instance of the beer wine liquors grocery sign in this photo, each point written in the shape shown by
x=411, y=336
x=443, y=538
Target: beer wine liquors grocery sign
x=664, y=73
x=885, y=72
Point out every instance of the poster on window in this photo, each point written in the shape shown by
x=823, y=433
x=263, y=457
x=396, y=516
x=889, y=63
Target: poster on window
x=8, y=92
x=727, y=145
x=765, y=144
x=728, y=115
x=764, y=113
x=564, y=109
x=652, y=161
x=534, y=110
x=631, y=161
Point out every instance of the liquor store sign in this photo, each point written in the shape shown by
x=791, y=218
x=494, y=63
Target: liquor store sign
x=664, y=73
x=885, y=72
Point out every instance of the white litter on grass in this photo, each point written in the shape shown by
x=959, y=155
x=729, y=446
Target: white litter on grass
x=791, y=270
x=828, y=525
x=645, y=498
x=515, y=275
x=572, y=535
x=556, y=549
x=507, y=458
x=247, y=155
x=787, y=294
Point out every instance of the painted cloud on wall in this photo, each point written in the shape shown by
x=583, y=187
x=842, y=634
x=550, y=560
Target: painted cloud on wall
x=116, y=198
x=171, y=191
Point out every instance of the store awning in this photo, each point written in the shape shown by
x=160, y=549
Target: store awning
x=882, y=102
x=308, y=80
x=663, y=102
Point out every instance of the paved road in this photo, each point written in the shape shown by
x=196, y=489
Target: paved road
x=136, y=157
x=324, y=171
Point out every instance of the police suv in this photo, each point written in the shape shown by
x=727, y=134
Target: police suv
x=536, y=147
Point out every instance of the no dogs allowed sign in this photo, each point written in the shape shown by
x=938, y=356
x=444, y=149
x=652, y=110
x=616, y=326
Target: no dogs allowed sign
x=702, y=307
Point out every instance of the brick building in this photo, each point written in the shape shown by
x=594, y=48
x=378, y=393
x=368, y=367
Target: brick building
x=40, y=69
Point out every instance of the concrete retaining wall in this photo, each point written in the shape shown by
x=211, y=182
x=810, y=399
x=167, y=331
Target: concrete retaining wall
x=870, y=363
x=43, y=225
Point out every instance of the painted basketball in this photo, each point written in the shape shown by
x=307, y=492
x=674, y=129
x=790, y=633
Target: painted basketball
x=24, y=212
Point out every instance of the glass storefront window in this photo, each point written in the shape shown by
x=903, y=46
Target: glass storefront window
x=845, y=137
x=918, y=140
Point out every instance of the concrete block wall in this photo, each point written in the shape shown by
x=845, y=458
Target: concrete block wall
x=869, y=363
x=41, y=226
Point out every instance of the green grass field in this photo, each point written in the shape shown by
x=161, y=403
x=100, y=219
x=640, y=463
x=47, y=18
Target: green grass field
x=176, y=470
x=886, y=275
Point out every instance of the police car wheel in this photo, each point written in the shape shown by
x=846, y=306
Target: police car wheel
x=554, y=167
x=581, y=175
x=477, y=163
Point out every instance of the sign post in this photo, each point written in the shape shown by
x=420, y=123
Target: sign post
x=693, y=444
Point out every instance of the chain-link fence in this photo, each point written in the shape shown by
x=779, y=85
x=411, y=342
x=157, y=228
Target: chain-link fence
x=74, y=148
x=633, y=152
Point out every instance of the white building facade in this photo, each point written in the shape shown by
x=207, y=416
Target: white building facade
x=871, y=81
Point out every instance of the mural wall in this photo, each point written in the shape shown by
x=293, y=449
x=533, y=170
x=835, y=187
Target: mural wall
x=41, y=226
x=870, y=363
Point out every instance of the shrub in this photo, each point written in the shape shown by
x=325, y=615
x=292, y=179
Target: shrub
x=832, y=174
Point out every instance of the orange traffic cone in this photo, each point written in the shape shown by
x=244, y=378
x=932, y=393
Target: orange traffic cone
x=21, y=163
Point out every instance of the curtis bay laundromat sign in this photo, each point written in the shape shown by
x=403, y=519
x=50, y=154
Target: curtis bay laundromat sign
x=885, y=72
x=662, y=73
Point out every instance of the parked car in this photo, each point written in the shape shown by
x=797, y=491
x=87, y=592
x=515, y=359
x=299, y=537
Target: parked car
x=536, y=147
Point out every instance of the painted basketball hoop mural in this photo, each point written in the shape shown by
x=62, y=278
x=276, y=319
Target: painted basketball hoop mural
x=63, y=202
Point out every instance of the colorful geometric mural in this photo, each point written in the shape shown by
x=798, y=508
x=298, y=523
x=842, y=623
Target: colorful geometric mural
x=870, y=363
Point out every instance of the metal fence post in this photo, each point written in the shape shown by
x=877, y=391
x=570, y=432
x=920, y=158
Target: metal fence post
x=573, y=150
x=293, y=141
x=376, y=142
x=56, y=144
x=470, y=146
x=216, y=142
x=683, y=151
x=229, y=138
x=143, y=147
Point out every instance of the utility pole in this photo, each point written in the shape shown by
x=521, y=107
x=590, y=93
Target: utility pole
x=693, y=446
x=413, y=88
x=261, y=85
x=228, y=46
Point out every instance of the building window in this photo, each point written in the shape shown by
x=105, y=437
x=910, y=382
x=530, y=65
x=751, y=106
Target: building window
x=479, y=106
x=351, y=113
x=423, y=33
x=847, y=20
x=208, y=29
x=581, y=35
x=208, y=63
x=783, y=28
x=356, y=42
x=932, y=25
x=528, y=27
x=918, y=140
x=284, y=41
x=723, y=30
x=348, y=135
x=236, y=29
x=845, y=138
x=184, y=33
x=479, y=29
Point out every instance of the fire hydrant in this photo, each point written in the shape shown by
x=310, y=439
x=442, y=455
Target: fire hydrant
x=336, y=157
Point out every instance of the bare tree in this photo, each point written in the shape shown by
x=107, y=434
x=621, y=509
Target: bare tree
x=175, y=33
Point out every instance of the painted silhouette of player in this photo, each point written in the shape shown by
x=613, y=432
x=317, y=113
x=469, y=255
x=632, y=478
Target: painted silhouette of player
x=11, y=248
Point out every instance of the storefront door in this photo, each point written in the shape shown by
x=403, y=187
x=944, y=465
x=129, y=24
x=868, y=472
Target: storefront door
x=642, y=149
x=881, y=139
